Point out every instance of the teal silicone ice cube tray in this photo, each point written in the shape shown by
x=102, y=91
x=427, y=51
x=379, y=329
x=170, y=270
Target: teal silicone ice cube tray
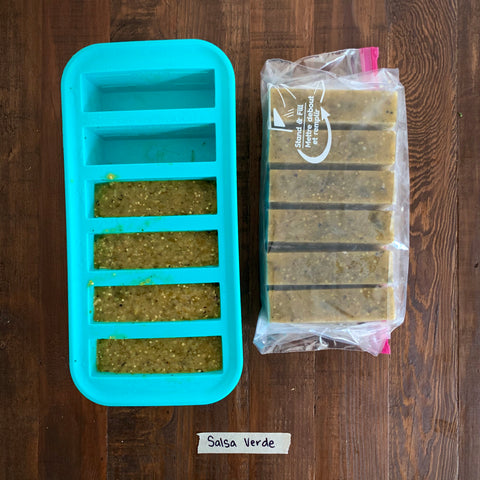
x=138, y=111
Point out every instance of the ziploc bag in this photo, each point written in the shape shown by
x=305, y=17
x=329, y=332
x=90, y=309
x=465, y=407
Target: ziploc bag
x=334, y=204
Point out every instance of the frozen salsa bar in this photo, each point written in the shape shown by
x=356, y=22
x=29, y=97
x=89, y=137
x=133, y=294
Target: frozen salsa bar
x=330, y=226
x=328, y=268
x=348, y=147
x=334, y=305
x=366, y=109
x=331, y=186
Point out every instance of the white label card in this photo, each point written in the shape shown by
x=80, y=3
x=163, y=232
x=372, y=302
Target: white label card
x=243, y=442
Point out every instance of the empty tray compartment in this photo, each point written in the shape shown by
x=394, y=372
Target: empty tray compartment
x=149, y=90
x=152, y=144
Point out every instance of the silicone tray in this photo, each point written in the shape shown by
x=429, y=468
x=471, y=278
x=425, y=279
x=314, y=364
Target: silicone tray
x=156, y=110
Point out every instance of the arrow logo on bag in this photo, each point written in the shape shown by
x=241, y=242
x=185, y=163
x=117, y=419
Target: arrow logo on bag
x=326, y=151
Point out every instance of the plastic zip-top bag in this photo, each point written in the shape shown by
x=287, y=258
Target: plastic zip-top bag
x=334, y=205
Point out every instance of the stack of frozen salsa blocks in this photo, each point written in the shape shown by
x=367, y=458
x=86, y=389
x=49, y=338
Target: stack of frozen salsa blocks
x=329, y=216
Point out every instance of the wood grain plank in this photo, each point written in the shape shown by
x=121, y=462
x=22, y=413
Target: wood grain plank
x=226, y=25
x=171, y=451
x=20, y=359
x=366, y=416
x=423, y=378
x=282, y=388
x=145, y=442
x=352, y=415
x=158, y=453
x=351, y=388
x=345, y=24
x=468, y=238
x=72, y=441
x=144, y=20
x=50, y=431
x=282, y=400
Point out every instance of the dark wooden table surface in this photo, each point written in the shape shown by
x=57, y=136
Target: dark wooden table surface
x=412, y=415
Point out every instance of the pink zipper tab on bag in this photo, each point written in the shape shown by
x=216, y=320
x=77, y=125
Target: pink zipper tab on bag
x=369, y=58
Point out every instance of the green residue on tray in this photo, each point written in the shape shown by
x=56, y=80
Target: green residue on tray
x=111, y=176
x=117, y=229
x=118, y=336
